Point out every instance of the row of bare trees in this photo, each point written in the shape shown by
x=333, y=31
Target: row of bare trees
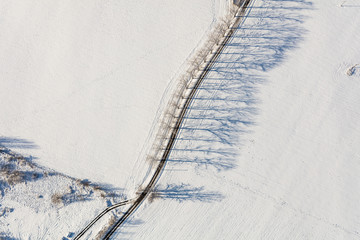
x=188, y=80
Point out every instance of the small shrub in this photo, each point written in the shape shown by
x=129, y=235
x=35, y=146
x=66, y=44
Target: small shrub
x=15, y=177
x=56, y=199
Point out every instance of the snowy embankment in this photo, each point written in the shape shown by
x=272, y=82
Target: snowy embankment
x=82, y=86
x=269, y=149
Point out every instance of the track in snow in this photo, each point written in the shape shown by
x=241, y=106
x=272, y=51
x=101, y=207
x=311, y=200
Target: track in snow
x=137, y=202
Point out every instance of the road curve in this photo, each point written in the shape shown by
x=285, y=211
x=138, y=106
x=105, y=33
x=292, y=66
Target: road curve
x=137, y=202
x=108, y=209
x=179, y=121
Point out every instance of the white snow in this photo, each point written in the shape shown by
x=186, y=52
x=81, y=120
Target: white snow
x=83, y=84
x=269, y=149
x=84, y=80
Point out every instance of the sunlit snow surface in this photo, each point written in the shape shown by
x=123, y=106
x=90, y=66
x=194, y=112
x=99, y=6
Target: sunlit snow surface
x=82, y=84
x=270, y=147
x=84, y=80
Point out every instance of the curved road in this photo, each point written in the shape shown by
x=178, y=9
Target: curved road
x=137, y=202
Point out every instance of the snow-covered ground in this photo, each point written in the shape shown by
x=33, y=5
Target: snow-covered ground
x=84, y=80
x=83, y=84
x=270, y=148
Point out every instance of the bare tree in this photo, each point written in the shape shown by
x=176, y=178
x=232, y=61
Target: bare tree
x=187, y=81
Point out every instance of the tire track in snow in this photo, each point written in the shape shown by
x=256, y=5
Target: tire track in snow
x=108, y=209
x=175, y=130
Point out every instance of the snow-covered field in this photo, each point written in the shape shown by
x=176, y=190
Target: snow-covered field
x=84, y=80
x=269, y=149
x=83, y=84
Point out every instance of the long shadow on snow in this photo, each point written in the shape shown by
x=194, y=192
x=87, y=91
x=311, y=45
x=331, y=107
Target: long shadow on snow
x=4, y=236
x=18, y=143
x=179, y=192
x=225, y=107
x=15, y=169
x=127, y=233
x=185, y=192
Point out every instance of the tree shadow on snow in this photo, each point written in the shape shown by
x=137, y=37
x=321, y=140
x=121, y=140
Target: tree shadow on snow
x=17, y=143
x=178, y=192
x=18, y=169
x=126, y=232
x=225, y=106
x=15, y=168
x=4, y=236
x=185, y=192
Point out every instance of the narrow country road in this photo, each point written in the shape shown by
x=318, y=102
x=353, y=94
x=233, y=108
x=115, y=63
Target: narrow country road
x=184, y=108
